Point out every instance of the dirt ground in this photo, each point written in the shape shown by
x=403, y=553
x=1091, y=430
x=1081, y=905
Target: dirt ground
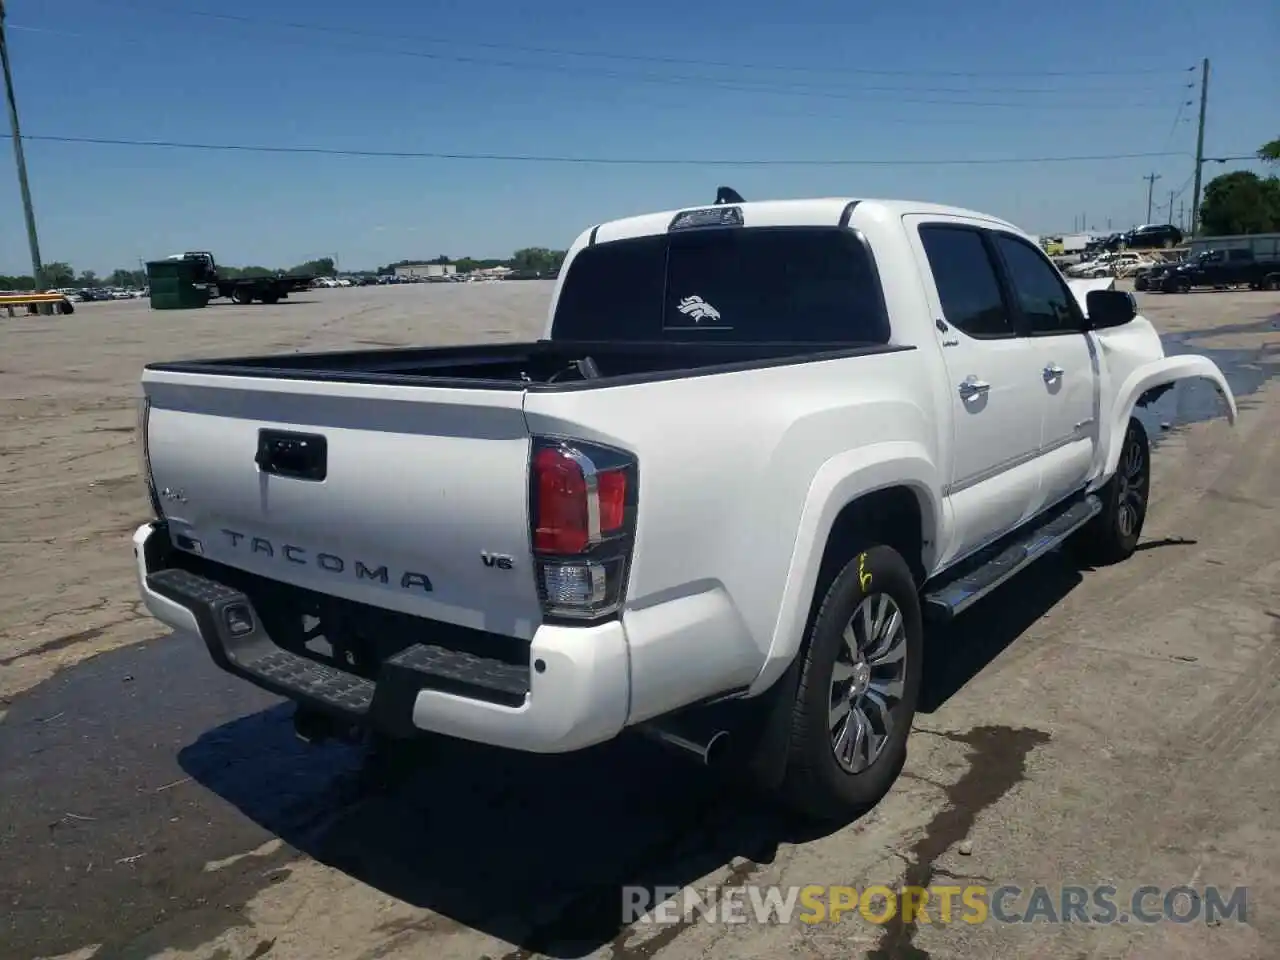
x=69, y=493
x=1117, y=726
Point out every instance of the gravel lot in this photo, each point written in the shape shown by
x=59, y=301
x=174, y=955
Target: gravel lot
x=1118, y=726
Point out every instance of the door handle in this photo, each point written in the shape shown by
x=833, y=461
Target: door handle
x=1053, y=372
x=973, y=387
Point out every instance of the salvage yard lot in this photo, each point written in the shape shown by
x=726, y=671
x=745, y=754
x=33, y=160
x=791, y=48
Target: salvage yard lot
x=1118, y=726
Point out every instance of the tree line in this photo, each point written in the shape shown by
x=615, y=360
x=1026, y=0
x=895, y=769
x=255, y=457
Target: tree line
x=59, y=274
x=1243, y=202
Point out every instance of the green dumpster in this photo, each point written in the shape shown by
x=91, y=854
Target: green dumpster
x=173, y=285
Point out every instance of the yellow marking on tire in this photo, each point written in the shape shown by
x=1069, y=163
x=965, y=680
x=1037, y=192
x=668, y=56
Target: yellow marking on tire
x=864, y=578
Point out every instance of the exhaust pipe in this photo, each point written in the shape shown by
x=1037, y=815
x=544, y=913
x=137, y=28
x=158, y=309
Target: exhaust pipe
x=710, y=747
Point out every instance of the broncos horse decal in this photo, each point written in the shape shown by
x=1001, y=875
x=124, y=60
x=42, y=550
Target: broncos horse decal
x=698, y=309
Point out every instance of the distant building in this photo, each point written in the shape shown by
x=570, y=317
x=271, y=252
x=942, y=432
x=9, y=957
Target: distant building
x=426, y=270
x=1265, y=246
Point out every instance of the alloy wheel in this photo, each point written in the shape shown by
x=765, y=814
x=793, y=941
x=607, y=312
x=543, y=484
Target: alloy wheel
x=867, y=682
x=1132, y=493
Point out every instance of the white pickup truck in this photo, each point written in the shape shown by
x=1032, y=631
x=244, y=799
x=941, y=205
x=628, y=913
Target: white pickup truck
x=760, y=445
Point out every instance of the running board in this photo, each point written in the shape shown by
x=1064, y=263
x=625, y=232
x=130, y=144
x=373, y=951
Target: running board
x=976, y=578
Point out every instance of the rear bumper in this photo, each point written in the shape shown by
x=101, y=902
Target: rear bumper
x=574, y=692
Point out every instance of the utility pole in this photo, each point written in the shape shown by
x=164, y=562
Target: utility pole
x=1182, y=209
x=37, y=269
x=1151, y=179
x=1172, y=195
x=1195, y=190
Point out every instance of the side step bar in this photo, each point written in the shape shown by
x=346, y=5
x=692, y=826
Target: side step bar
x=974, y=579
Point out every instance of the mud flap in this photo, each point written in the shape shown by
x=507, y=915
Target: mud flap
x=766, y=731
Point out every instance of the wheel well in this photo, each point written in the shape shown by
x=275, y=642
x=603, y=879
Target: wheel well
x=890, y=516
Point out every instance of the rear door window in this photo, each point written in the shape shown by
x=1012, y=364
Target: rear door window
x=747, y=285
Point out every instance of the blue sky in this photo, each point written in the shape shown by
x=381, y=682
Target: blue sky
x=665, y=79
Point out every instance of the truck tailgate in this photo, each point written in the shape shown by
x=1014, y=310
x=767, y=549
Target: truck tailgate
x=422, y=506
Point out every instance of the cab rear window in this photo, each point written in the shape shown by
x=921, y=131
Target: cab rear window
x=745, y=285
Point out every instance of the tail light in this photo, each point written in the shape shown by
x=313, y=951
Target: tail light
x=582, y=514
x=144, y=456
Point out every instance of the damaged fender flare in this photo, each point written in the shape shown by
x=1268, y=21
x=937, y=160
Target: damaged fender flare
x=1153, y=375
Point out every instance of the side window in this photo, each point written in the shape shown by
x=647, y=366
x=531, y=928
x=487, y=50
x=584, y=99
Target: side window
x=966, y=281
x=1047, y=303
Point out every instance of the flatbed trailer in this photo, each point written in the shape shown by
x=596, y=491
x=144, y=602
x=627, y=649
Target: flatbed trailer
x=262, y=289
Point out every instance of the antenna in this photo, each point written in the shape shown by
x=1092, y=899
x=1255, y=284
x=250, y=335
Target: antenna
x=728, y=195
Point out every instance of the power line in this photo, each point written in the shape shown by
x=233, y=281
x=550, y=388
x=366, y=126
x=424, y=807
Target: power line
x=1183, y=189
x=1173, y=128
x=743, y=86
x=550, y=158
x=453, y=42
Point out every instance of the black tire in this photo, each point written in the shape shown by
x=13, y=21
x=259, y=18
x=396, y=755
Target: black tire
x=270, y=298
x=1113, y=534
x=242, y=295
x=816, y=785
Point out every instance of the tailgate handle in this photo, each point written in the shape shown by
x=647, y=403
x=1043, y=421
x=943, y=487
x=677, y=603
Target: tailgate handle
x=303, y=456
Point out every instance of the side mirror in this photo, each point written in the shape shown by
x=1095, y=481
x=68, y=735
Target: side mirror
x=1109, y=308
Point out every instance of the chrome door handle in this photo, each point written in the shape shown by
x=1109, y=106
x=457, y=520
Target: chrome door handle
x=1053, y=372
x=973, y=387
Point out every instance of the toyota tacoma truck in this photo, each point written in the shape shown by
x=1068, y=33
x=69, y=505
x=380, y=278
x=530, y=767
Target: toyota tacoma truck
x=759, y=446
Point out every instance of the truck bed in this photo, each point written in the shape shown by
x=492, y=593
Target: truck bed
x=541, y=364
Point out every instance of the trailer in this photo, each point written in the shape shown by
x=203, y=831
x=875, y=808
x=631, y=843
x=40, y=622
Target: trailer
x=268, y=289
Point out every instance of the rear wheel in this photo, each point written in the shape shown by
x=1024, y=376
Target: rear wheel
x=1113, y=534
x=242, y=295
x=858, y=689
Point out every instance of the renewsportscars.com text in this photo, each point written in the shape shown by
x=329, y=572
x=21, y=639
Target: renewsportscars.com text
x=941, y=904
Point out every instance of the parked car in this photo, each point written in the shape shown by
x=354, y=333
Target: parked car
x=1223, y=268
x=1108, y=265
x=758, y=445
x=1152, y=235
x=1107, y=244
x=1149, y=278
x=1128, y=264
